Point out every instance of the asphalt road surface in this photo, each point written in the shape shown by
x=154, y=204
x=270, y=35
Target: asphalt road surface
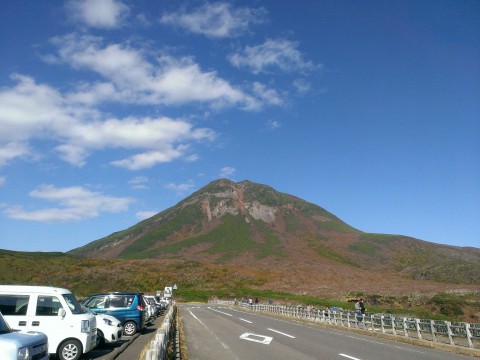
x=217, y=332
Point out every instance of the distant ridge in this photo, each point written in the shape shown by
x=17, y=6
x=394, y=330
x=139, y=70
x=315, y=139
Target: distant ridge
x=249, y=224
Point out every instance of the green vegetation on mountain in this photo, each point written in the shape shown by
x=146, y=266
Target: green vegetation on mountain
x=224, y=221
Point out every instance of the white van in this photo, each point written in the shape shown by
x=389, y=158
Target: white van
x=54, y=311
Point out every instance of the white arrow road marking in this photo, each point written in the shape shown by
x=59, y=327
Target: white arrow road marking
x=278, y=332
x=247, y=321
x=349, y=357
x=257, y=338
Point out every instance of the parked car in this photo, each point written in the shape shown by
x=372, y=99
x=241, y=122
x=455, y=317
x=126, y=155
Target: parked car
x=54, y=311
x=165, y=300
x=129, y=308
x=15, y=345
x=151, y=310
x=109, y=328
x=156, y=308
x=161, y=301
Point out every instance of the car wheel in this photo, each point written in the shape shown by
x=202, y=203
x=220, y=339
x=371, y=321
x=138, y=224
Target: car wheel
x=70, y=350
x=100, y=338
x=130, y=328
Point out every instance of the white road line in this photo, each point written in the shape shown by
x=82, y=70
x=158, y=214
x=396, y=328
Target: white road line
x=200, y=321
x=247, y=321
x=221, y=312
x=349, y=357
x=225, y=346
x=278, y=332
x=386, y=344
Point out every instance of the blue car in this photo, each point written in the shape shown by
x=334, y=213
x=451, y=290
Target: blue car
x=128, y=308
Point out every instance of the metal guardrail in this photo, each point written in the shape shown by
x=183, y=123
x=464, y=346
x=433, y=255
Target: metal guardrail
x=158, y=346
x=453, y=333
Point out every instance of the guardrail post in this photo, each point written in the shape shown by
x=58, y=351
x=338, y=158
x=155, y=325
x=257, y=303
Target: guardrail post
x=469, y=335
x=405, y=329
x=432, y=329
x=382, y=324
x=417, y=326
x=394, y=331
x=348, y=319
x=449, y=332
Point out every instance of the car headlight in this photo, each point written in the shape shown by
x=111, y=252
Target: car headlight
x=85, y=326
x=24, y=353
x=108, y=322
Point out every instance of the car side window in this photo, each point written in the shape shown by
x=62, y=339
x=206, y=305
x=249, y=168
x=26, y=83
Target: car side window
x=96, y=303
x=130, y=300
x=117, y=301
x=14, y=304
x=48, y=306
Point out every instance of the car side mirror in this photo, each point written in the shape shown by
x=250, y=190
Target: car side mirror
x=62, y=313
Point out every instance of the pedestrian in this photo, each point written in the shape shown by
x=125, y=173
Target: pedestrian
x=327, y=311
x=309, y=310
x=362, y=309
x=358, y=310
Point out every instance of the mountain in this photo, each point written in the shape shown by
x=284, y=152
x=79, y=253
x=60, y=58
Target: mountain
x=298, y=243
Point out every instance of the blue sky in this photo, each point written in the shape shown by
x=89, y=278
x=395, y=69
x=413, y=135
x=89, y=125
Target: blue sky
x=112, y=111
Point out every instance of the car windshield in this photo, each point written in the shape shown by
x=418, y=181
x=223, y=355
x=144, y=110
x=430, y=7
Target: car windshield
x=87, y=310
x=4, y=328
x=73, y=304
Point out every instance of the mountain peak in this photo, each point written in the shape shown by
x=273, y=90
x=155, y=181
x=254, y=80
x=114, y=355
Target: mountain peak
x=241, y=222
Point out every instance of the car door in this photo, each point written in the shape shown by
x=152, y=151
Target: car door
x=47, y=314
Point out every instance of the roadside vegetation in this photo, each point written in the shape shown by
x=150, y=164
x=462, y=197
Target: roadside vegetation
x=198, y=282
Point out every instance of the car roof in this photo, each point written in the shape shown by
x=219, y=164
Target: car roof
x=33, y=289
x=117, y=293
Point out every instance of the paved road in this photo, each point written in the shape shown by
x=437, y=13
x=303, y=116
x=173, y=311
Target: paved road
x=216, y=332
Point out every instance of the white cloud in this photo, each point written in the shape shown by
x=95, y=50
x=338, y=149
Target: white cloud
x=148, y=159
x=139, y=182
x=273, y=124
x=132, y=78
x=302, y=85
x=73, y=204
x=28, y=108
x=98, y=13
x=282, y=54
x=269, y=96
x=30, y=111
x=227, y=172
x=3, y=180
x=181, y=189
x=216, y=20
x=11, y=151
x=142, y=215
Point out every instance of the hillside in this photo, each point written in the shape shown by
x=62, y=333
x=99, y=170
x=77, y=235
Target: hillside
x=199, y=282
x=252, y=225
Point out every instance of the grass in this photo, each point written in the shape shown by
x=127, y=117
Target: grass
x=199, y=282
x=316, y=242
